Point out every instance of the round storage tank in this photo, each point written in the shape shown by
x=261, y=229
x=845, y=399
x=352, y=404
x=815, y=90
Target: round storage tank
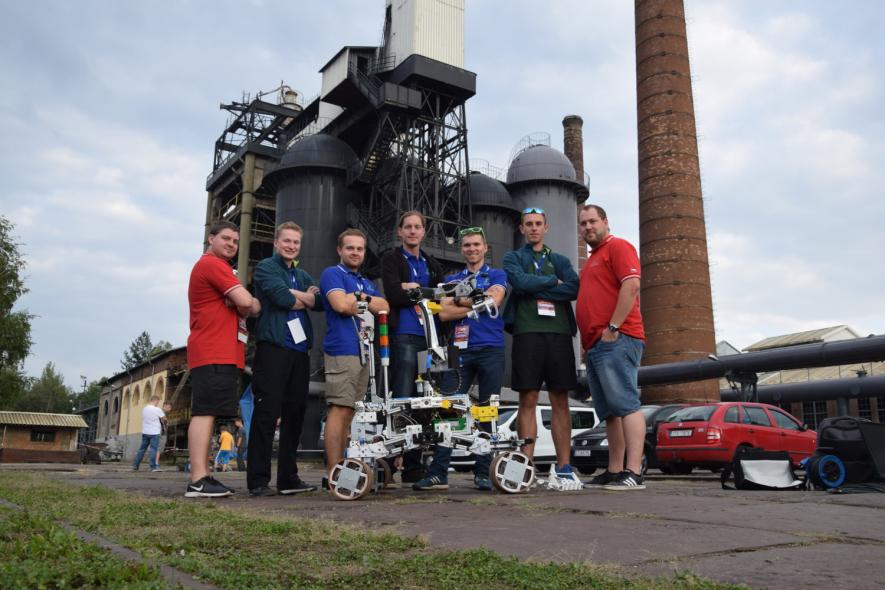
x=493, y=211
x=542, y=177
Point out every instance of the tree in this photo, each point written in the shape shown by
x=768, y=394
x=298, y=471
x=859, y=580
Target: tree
x=89, y=396
x=15, y=327
x=47, y=393
x=142, y=350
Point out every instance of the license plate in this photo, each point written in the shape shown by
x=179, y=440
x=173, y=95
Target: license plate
x=680, y=433
x=582, y=453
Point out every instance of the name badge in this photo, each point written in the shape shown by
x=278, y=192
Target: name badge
x=546, y=308
x=242, y=332
x=296, y=330
x=462, y=333
x=419, y=314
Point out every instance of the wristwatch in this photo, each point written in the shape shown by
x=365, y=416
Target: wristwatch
x=613, y=328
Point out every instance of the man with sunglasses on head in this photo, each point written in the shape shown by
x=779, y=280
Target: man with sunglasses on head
x=480, y=342
x=540, y=317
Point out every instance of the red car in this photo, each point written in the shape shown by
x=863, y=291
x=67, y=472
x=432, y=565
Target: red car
x=708, y=435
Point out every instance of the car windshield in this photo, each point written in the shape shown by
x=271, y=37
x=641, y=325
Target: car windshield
x=504, y=415
x=693, y=414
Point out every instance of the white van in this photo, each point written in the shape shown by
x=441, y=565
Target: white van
x=583, y=418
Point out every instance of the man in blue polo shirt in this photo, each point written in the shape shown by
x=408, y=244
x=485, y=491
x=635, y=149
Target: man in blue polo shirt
x=481, y=346
x=347, y=379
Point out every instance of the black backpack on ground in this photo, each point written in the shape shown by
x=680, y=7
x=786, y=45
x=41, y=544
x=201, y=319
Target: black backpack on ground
x=858, y=443
x=757, y=469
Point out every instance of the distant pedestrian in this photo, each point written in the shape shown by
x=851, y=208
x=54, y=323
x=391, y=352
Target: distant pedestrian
x=225, y=449
x=151, y=427
x=216, y=351
x=613, y=337
x=241, y=441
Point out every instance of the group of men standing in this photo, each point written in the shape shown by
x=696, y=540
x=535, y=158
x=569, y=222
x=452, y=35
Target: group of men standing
x=542, y=284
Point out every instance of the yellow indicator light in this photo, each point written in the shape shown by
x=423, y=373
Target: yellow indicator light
x=446, y=404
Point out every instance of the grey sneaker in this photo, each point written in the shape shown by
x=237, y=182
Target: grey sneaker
x=626, y=480
x=296, y=486
x=482, y=482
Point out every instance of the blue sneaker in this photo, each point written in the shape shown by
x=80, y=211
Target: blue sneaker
x=431, y=482
x=482, y=482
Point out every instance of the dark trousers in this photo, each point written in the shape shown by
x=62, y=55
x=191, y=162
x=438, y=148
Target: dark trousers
x=486, y=366
x=404, y=349
x=279, y=383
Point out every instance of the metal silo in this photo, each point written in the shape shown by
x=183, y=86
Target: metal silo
x=540, y=176
x=493, y=211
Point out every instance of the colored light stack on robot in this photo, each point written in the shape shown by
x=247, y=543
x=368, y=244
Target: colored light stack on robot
x=383, y=342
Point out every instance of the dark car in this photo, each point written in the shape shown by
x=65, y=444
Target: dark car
x=709, y=435
x=590, y=449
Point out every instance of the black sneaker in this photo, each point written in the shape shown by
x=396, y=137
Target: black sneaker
x=218, y=483
x=296, y=486
x=412, y=475
x=604, y=478
x=261, y=491
x=431, y=482
x=626, y=480
x=207, y=488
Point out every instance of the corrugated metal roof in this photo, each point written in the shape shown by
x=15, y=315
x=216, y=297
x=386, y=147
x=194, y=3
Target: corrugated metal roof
x=821, y=373
x=39, y=419
x=807, y=337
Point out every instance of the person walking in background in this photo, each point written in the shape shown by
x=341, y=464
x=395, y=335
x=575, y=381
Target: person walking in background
x=152, y=418
x=613, y=337
x=241, y=442
x=225, y=449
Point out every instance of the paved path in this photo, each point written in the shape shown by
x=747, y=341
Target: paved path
x=762, y=539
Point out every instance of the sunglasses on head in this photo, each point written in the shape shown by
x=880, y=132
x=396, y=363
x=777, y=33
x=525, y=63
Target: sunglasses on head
x=468, y=231
x=537, y=210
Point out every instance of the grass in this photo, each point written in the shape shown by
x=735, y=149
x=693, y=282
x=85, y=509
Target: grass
x=236, y=550
x=36, y=553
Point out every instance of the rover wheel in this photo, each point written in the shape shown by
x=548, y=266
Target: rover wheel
x=512, y=472
x=351, y=479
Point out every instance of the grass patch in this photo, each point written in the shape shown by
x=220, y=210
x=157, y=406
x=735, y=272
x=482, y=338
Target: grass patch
x=235, y=550
x=37, y=553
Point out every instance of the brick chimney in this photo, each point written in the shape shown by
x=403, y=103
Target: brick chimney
x=573, y=147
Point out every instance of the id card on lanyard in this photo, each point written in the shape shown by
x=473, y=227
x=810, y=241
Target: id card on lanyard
x=545, y=308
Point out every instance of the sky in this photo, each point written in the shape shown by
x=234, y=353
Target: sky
x=110, y=113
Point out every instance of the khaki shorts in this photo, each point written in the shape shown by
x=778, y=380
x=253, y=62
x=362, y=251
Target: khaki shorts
x=346, y=380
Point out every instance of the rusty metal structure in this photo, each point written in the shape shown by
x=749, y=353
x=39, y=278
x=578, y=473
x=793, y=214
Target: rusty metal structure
x=676, y=298
x=573, y=147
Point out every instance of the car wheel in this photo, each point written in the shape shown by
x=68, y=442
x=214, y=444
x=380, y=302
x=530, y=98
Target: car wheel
x=586, y=470
x=462, y=468
x=666, y=468
x=682, y=468
x=715, y=469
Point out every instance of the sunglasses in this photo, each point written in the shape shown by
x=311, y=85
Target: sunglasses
x=468, y=231
x=537, y=210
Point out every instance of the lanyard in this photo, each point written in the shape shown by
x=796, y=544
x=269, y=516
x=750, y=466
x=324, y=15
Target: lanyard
x=412, y=268
x=539, y=264
x=356, y=277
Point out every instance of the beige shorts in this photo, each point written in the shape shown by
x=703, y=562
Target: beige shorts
x=346, y=380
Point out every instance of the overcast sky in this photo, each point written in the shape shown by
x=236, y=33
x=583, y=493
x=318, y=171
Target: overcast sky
x=109, y=112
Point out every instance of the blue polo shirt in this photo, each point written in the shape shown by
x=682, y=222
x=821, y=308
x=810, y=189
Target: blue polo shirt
x=484, y=332
x=341, y=330
x=408, y=317
x=295, y=313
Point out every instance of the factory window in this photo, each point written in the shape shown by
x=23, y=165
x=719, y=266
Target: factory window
x=880, y=404
x=863, y=408
x=814, y=412
x=43, y=436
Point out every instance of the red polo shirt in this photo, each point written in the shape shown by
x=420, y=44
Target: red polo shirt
x=213, y=338
x=610, y=264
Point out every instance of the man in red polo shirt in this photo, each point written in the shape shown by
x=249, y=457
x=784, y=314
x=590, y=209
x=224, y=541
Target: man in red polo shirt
x=613, y=339
x=216, y=350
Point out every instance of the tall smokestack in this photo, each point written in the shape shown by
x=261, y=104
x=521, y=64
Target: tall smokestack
x=573, y=147
x=677, y=304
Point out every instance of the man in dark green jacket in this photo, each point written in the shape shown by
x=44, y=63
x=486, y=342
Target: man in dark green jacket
x=281, y=369
x=539, y=315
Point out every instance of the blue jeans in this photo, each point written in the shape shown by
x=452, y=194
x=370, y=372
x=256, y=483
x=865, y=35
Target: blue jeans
x=404, y=349
x=148, y=440
x=612, y=372
x=486, y=365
